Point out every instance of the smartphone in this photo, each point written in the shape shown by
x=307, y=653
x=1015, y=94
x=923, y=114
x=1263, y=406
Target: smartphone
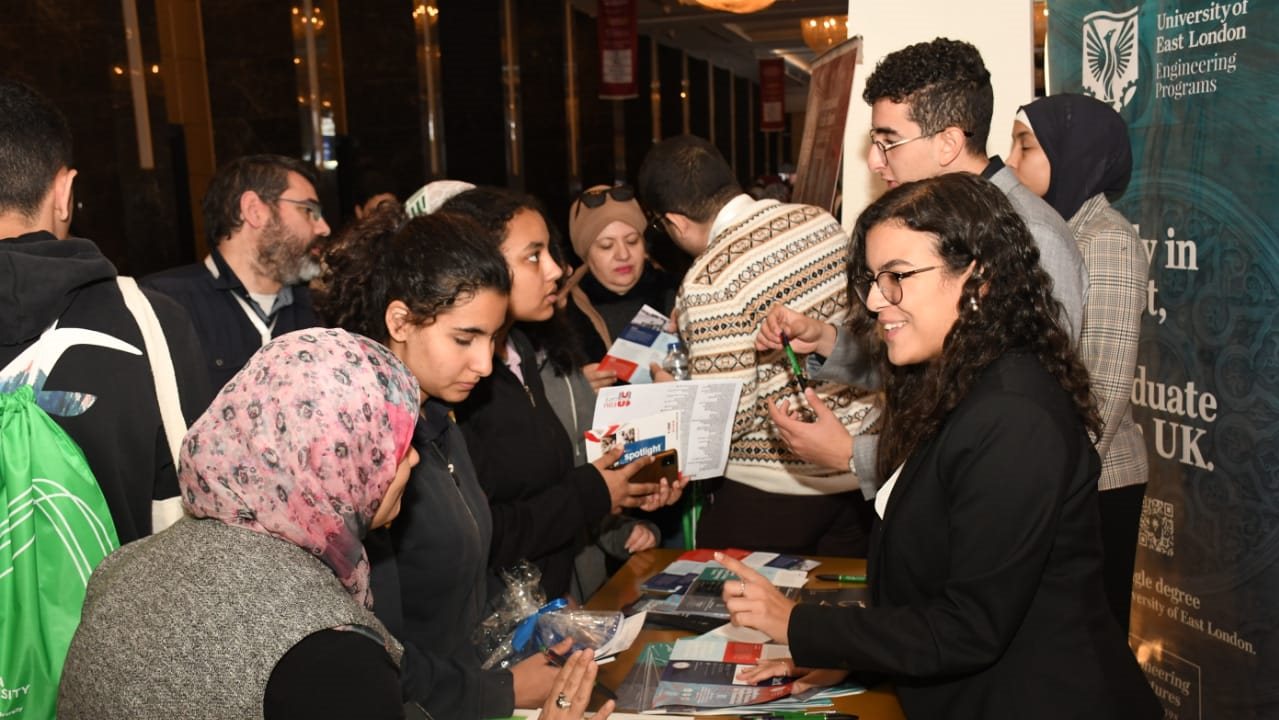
x=665, y=465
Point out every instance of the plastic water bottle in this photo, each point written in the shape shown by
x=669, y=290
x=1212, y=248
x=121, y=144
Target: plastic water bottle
x=676, y=361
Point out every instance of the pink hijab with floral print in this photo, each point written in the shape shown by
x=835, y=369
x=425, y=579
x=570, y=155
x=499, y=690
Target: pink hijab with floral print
x=302, y=445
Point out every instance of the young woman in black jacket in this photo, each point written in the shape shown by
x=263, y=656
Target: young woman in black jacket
x=542, y=505
x=436, y=295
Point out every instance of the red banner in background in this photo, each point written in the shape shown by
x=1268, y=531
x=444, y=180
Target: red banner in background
x=619, y=49
x=772, y=95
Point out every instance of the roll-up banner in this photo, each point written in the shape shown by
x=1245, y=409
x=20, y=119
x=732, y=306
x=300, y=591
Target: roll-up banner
x=821, y=151
x=1195, y=80
x=619, y=49
x=772, y=95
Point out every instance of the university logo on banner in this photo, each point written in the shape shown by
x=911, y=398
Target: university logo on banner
x=1110, y=57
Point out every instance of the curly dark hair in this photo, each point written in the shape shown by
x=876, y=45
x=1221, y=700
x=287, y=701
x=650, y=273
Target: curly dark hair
x=430, y=263
x=973, y=224
x=493, y=208
x=945, y=83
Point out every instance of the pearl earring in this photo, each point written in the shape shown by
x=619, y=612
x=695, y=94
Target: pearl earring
x=972, y=302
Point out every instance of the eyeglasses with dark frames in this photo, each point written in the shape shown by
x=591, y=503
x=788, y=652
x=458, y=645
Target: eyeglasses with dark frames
x=312, y=208
x=889, y=283
x=657, y=222
x=595, y=198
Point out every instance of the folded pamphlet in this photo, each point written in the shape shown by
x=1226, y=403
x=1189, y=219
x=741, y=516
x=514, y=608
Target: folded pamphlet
x=644, y=340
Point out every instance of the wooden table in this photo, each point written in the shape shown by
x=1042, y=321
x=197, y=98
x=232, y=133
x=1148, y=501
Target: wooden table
x=877, y=703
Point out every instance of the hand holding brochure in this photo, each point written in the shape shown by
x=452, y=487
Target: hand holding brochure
x=705, y=672
x=706, y=410
x=643, y=341
x=640, y=437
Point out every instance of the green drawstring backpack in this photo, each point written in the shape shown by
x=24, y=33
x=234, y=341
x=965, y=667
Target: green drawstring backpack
x=54, y=529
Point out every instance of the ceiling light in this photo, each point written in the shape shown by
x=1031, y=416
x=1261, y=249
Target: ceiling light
x=823, y=33
x=733, y=6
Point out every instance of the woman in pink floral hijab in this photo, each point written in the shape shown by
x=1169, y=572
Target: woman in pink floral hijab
x=252, y=606
x=301, y=446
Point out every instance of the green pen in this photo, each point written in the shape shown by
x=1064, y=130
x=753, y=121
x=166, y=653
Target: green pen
x=795, y=367
x=797, y=373
x=842, y=578
x=801, y=383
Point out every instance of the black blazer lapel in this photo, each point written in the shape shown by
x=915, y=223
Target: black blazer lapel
x=907, y=480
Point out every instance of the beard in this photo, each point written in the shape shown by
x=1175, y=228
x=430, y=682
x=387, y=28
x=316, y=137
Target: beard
x=285, y=256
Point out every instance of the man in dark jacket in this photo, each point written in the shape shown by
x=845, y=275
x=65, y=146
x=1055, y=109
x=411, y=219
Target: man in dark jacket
x=92, y=374
x=263, y=218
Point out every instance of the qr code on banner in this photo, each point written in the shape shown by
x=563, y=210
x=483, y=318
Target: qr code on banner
x=1157, y=526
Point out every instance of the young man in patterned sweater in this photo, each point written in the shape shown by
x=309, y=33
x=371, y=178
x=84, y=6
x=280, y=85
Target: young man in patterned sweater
x=749, y=256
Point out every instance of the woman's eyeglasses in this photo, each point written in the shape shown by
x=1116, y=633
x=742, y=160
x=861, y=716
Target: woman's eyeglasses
x=595, y=198
x=889, y=283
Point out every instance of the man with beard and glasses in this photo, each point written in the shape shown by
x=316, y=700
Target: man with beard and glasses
x=265, y=225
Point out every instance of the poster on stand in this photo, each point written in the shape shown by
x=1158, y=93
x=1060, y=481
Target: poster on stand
x=821, y=151
x=1195, y=81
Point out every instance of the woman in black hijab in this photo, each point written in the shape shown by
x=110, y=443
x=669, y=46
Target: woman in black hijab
x=1073, y=151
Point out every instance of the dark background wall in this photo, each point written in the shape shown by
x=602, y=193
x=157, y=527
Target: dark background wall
x=542, y=92
x=596, y=115
x=142, y=218
x=471, y=60
x=253, y=90
x=381, y=82
x=69, y=52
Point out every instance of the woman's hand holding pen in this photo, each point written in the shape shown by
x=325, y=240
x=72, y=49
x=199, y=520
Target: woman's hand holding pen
x=753, y=602
x=806, y=335
x=824, y=441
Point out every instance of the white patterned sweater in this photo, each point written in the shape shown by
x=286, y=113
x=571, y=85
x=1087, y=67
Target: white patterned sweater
x=763, y=253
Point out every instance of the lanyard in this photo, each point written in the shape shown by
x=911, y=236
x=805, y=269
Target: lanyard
x=255, y=316
x=262, y=322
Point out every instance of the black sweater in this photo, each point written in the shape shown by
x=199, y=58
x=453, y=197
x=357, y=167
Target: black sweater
x=541, y=504
x=429, y=578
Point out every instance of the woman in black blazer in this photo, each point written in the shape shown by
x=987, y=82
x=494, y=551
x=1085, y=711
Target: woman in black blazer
x=985, y=565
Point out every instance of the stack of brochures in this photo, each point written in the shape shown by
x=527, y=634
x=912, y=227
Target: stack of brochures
x=688, y=593
x=700, y=675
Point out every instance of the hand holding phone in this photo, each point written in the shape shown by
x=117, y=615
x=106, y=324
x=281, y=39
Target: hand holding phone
x=665, y=466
